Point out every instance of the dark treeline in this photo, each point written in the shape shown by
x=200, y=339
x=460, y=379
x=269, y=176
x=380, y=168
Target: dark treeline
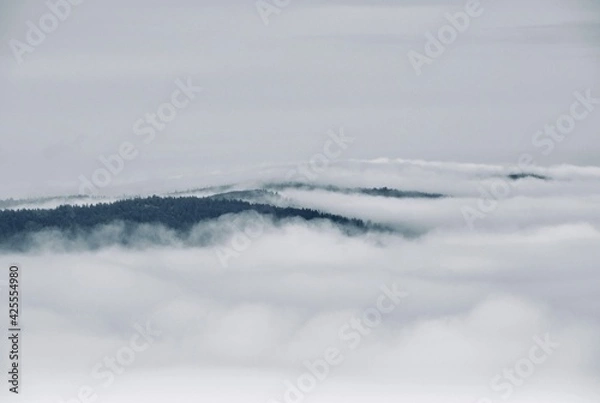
x=176, y=213
x=524, y=175
x=384, y=191
x=400, y=194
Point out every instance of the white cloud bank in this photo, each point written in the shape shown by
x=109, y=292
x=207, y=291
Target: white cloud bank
x=466, y=332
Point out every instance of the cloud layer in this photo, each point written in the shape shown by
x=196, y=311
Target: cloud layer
x=477, y=298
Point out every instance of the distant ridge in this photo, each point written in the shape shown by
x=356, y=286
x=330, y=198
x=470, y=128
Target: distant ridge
x=176, y=213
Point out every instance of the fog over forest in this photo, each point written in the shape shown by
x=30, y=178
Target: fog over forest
x=245, y=298
x=300, y=201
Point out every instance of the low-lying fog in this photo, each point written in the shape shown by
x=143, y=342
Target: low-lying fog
x=494, y=300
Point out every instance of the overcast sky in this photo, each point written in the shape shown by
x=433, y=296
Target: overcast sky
x=271, y=92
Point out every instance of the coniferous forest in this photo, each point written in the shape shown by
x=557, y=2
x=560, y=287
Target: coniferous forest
x=176, y=213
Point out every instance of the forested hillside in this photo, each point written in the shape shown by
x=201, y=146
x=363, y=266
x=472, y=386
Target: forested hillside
x=176, y=213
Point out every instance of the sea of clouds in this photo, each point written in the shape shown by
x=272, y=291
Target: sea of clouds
x=502, y=307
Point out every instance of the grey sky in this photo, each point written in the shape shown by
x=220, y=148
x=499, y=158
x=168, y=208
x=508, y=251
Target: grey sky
x=270, y=93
